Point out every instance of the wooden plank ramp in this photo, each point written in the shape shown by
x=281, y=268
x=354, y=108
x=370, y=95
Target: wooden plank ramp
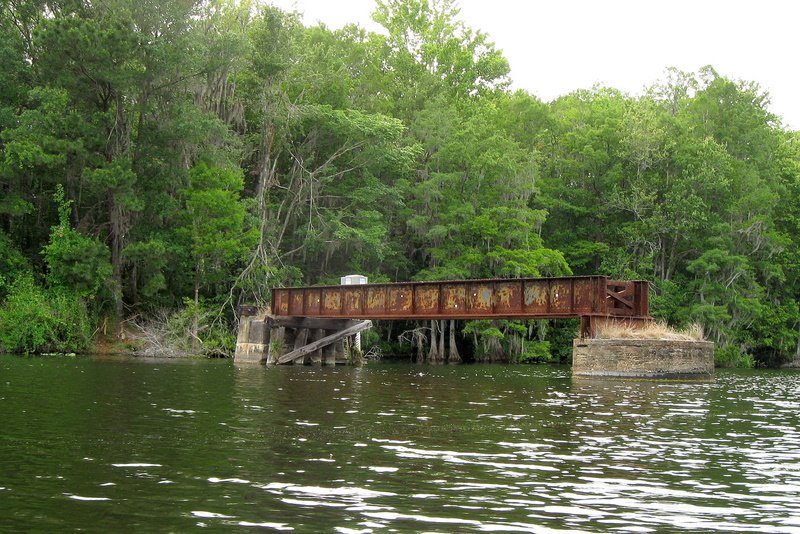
x=301, y=352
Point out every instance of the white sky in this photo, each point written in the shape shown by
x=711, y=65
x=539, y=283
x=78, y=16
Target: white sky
x=558, y=46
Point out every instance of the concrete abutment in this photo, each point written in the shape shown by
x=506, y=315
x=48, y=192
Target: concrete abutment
x=642, y=358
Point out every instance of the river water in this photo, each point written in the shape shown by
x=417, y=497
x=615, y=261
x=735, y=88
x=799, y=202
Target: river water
x=152, y=445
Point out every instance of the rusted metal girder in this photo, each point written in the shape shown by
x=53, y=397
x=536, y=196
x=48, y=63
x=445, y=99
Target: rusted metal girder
x=515, y=298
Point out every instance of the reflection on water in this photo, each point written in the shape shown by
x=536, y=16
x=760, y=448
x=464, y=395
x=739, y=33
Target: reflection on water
x=159, y=445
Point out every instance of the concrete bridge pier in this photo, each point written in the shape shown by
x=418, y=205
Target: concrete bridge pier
x=639, y=357
x=252, y=341
x=643, y=358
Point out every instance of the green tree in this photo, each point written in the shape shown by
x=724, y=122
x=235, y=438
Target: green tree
x=213, y=223
x=429, y=52
x=75, y=262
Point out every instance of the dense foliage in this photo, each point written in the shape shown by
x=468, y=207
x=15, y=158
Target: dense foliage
x=188, y=155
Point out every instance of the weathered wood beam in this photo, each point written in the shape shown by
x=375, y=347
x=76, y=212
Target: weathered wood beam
x=277, y=335
x=316, y=335
x=327, y=340
x=301, y=337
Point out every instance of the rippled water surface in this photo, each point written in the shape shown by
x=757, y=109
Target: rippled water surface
x=144, y=445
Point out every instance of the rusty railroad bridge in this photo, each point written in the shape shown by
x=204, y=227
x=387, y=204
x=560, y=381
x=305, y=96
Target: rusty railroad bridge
x=306, y=323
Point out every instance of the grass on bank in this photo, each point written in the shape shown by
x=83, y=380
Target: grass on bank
x=652, y=330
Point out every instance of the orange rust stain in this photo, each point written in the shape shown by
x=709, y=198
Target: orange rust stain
x=583, y=296
x=427, y=298
x=455, y=298
x=559, y=296
x=480, y=297
x=503, y=296
x=312, y=301
x=282, y=301
x=376, y=299
x=399, y=299
x=352, y=300
x=333, y=300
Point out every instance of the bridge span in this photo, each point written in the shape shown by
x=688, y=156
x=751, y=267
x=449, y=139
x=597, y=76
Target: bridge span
x=313, y=324
x=310, y=323
x=586, y=297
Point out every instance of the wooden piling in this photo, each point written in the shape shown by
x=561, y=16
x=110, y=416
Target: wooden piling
x=305, y=349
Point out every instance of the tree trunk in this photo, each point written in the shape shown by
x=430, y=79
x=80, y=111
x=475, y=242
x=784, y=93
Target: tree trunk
x=453, y=356
x=115, y=215
x=134, y=285
x=494, y=350
x=419, y=344
x=442, y=353
x=433, y=353
x=797, y=348
x=195, y=317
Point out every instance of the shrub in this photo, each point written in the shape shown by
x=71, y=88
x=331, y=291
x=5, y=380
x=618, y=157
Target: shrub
x=171, y=333
x=33, y=319
x=732, y=356
x=71, y=324
x=24, y=317
x=73, y=260
x=536, y=352
x=12, y=264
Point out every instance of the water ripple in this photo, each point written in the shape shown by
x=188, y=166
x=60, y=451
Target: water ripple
x=394, y=448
